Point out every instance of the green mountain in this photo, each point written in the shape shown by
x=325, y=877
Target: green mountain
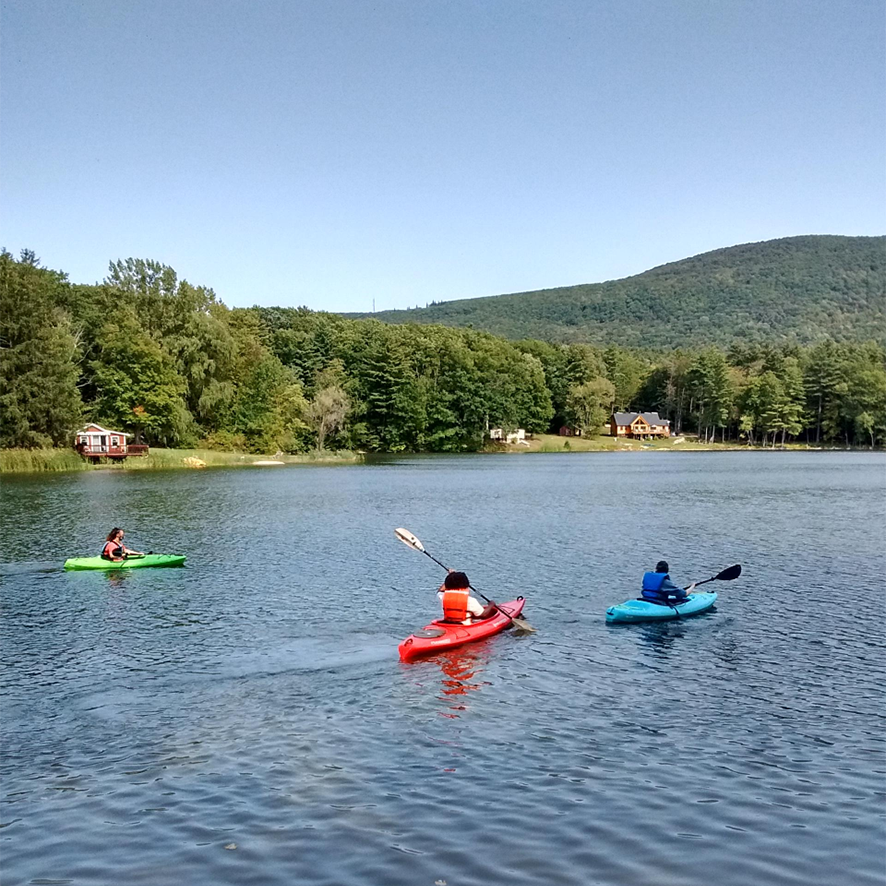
x=798, y=289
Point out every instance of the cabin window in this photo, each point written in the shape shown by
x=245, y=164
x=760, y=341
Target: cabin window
x=115, y=441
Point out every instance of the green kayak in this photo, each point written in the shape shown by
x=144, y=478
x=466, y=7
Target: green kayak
x=131, y=563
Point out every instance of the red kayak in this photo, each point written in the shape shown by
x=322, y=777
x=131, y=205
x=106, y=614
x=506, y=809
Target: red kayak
x=440, y=635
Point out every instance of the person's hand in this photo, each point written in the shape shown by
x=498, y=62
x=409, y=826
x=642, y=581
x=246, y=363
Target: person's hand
x=691, y=588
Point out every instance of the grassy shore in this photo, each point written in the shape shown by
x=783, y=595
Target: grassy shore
x=605, y=443
x=28, y=461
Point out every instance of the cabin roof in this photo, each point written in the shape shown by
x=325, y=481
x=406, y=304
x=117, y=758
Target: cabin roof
x=628, y=418
x=93, y=428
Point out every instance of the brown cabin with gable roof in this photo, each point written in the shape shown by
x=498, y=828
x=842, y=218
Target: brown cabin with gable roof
x=639, y=425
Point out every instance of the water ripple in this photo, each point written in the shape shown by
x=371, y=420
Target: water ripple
x=245, y=720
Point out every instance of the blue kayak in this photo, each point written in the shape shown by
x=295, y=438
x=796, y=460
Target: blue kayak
x=641, y=610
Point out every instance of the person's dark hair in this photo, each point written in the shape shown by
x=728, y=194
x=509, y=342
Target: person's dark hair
x=112, y=535
x=456, y=581
x=662, y=566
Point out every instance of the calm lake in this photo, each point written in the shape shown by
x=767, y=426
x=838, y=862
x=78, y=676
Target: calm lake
x=245, y=719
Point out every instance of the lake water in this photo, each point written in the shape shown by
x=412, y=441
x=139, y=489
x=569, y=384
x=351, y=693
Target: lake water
x=245, y=719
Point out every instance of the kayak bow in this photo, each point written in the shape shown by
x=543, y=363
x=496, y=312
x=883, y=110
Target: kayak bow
x=440, y=635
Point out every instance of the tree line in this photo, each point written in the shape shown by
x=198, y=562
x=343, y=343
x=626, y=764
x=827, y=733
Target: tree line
x=150, y=354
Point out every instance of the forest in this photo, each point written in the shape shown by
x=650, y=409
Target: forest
x=797, y=290
x=153, y=355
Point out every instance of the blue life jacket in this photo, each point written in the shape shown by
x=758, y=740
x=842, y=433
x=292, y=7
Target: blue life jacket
x=652, y=581
x=652, y=589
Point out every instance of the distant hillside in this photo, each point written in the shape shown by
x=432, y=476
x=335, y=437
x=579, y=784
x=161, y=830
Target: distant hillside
x=801, y=289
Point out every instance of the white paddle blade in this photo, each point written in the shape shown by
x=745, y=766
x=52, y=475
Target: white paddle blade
x=409, y=539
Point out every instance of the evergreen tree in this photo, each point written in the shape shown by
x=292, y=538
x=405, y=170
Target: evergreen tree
x=40, y=404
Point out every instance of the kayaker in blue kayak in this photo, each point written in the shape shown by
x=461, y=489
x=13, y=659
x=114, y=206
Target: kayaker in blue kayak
x=658, y=587
x=114, y=549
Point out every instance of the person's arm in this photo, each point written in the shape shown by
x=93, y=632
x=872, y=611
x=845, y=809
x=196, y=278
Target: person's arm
x=669, y=588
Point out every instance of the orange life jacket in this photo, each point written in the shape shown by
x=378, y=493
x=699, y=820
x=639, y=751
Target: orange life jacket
x=455, y=604
x=109, y=551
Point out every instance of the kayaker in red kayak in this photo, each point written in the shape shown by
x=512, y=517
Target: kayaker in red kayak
x=458, y=604
x=658, y=587
x=114, y=549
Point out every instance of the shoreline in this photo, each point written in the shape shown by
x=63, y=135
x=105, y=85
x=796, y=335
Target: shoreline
x=42, y=461
x=553, y=443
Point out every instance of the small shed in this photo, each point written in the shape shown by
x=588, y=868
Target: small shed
x=502, y=436
x=640, y=425
x=95, y=442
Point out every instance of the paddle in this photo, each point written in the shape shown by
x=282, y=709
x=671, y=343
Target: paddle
x=726, y=575
x=409, y=539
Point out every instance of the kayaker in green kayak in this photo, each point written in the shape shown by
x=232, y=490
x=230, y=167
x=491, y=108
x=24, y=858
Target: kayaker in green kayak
x=658, y=587
x=114, y=549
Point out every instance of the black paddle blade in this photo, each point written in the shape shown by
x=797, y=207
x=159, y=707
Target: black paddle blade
x=730, y=573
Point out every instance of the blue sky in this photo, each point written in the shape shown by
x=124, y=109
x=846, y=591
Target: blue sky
x=335, y=152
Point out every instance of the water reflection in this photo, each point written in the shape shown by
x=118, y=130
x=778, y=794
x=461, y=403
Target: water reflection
x=117, y=578
x=660, y=638
x=461, y=672
x=451, y=676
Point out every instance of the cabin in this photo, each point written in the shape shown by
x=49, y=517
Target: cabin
x=499, y=435
x=639, y=425
x=567, y=431
x=95, y=442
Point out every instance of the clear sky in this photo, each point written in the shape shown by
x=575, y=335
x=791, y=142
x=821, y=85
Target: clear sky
x=331, y=152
